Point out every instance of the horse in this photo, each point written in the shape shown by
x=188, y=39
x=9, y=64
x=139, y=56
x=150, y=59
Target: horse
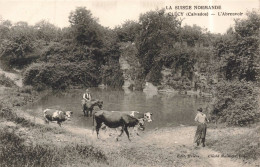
x=88, y=106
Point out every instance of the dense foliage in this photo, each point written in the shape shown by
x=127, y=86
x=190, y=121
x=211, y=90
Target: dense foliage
x=236, y=103
x=236, y=94
x=84, y=54
x=156, y=28
x=238, y=50
x=60, y=76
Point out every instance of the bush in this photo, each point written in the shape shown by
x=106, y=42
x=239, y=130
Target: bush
x=61, y=76
x=236, y=103
x=26, y=89
x=155, y=75
x=112, y=75
x=9, y=115
x=5, y=81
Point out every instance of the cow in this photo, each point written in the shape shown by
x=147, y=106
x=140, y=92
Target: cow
x=88, y=107
x=145, y=116
x=56, y=115
x=115, y=120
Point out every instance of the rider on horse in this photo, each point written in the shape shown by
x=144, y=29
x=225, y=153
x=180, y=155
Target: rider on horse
x=87, y=96
x=86, y=102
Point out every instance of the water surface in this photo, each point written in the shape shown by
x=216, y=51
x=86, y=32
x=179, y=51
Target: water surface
x=168, y=109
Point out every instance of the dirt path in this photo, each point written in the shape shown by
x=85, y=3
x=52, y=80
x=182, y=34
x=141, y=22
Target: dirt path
x=180, y=139
x=216, y=159
x=163, y=147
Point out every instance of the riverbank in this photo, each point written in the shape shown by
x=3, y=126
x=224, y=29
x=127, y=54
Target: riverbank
x=50, y=145
x=161, y=147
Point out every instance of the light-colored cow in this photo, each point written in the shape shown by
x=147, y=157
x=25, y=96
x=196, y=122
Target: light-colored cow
x=56, y=115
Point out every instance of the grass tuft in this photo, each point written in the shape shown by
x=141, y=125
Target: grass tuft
x=245, y=146
x=15, y=153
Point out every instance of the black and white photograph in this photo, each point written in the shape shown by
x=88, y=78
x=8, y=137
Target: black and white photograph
x=129, y=83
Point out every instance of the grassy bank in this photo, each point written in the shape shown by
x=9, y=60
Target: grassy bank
x=15, y=153
x=242, y=143
x=20, y=138
x=25, y=143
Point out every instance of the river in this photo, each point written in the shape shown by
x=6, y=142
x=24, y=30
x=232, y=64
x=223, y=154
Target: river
x=168, y=109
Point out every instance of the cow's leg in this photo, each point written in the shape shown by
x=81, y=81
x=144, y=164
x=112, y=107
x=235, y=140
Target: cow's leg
x=46, y=120
x=122, y=131
x=104, y=127
x=136, y=131
x=90, y=112
x=127, y=133
x=59, y=123
x=99, y=124
x=87, y=110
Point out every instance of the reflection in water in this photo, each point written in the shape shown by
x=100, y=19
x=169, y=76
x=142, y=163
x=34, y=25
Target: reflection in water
x=127, y=90
x=150, y=90
x=167, y=109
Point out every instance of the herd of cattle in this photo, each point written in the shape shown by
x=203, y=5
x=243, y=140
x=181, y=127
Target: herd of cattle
x=103, y=118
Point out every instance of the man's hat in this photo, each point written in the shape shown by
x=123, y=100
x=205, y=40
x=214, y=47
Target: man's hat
x=200, y=109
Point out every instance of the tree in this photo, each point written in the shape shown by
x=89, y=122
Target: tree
x=128, y=31
x=239, y=49
x=191, y=35
x=46, y=31
x=158, y=33
x=85, y=27
x=17, y=45
x=5, y=26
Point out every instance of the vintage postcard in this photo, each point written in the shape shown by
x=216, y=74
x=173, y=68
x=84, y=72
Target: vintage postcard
x=135, y=83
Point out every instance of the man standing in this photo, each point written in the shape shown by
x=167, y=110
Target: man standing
x=201, y=118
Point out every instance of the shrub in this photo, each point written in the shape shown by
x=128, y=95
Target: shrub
x=155, y=75
x=112, y=75
x=60, y=76
x=5, y=81
x=9, y=115
x=26, y=89
x=236, y=103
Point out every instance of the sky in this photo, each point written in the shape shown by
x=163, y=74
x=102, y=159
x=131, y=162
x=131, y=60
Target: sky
x=115, y=12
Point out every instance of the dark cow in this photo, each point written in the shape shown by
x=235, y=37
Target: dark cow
x=136, y=114
x=56, y=115
x=115, y=120
x=88, y=107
